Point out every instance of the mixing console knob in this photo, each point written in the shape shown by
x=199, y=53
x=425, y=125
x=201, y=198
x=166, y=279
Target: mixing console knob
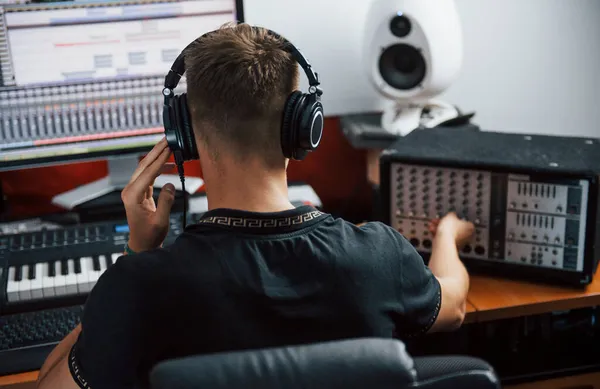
x=477, y=221
x=452, y=200
x=478, y=203
x=465, y=201
x=466, y=193
x=412, y=196
x=439, y=182
x=479, y=186
x=425, y=205
x=413, y=171
x=439, y=173
x=480, y=177
x=426, y=181
x=413, y=179
x=557, y=239
x=438, y=207
x=426, y=171
x=559, y=209
x=452, y=192
x=479, y=194
x=466, y=185
x=466, y=176
x=413, y=188
x=479, y=211
x=453, y=174
x=439, y=191
x=554, y=263
x=546, y=238
x=513, y=205
x=425, y=189
x=452, y=183
x=523, y=259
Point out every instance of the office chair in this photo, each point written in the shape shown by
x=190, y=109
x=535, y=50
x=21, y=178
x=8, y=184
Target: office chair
x=347, y=364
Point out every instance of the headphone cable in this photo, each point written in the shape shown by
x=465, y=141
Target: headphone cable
x=182, y=178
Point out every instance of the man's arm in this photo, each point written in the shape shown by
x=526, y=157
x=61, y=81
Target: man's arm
x=446, y=266
x=454, y=282
x=54, y=373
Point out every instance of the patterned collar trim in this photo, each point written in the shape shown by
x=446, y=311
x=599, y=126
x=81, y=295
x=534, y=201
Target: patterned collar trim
x=280, y=221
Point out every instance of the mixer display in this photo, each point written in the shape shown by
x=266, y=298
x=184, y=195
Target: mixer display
x=518, y=219
x=97, y=90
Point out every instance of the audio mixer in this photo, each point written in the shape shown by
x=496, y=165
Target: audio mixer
x=531, y=221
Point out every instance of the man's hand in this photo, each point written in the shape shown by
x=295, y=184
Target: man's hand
x=148, y=222
x=461, y=231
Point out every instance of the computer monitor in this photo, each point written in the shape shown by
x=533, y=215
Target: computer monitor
x=82, y=80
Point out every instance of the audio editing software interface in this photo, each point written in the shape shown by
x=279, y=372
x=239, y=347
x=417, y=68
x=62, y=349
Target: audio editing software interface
x=517, y=218
x=86, y=77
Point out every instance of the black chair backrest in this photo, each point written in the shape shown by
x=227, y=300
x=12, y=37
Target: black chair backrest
x=348, y=364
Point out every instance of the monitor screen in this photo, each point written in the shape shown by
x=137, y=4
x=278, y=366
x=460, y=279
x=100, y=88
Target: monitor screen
x=83, y=79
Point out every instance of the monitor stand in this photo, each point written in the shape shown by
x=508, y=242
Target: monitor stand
x=120, y=170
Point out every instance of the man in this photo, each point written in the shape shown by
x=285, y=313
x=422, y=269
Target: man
x=255, y=272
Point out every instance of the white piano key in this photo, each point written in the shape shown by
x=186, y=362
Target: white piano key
x=47, y=281
x=103, y=264
x=25, y=285
x=36, y=283
x=115, y=256
x=83, y=280
x=60, y=281
x=12, y=287
x=71, y=278
x=93, y=275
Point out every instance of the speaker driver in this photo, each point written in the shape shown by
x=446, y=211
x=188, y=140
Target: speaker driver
x=402, y=66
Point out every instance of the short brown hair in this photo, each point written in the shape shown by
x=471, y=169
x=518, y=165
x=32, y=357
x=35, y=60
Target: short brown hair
x=238, y=79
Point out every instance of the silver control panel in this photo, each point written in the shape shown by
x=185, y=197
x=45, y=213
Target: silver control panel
x=518, y=218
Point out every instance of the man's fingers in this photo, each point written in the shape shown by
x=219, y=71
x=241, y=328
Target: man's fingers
x=136, y=189
x=167, y=167
x=166, y=198
x=156, y=151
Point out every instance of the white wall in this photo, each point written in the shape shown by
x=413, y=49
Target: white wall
x=529, y=65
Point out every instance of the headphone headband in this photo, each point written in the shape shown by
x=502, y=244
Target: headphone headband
x=178, y=68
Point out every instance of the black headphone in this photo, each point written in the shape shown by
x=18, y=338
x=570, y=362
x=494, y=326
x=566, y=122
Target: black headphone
x=301, y=126
x=302, y=121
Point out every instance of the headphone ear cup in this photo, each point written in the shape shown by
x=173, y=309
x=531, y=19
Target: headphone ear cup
x=173, y=129
x=187, y=131
x=310, y=123
x=288, y=125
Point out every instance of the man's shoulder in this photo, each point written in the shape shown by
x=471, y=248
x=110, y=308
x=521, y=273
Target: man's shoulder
x=140, y=266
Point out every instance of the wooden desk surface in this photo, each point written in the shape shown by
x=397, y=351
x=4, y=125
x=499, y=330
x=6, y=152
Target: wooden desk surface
x=23, y=378
x=501, y=298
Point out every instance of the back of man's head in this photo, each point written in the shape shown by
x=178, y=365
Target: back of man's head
x=238, y=79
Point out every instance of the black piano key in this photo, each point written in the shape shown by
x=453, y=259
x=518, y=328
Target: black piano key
x=96, y=263
x=51, y=269
x=109, y=260
x=31, y=274
x=77, y=265
x=64, y=267
x=18, y=273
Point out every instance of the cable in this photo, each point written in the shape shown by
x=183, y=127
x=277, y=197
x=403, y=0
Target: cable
x=182, y=178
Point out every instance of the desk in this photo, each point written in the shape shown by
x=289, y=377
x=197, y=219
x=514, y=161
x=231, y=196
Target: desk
x=498, y=298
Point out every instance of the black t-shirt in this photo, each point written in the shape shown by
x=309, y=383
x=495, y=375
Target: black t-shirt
x=240, y=280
